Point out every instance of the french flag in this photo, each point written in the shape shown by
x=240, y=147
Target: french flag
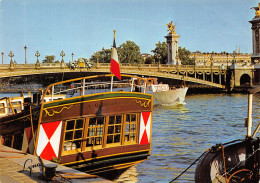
x=114, y=65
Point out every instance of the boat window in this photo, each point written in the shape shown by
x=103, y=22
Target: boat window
x=73, y=134
x=17, y=106
x=2, y=108
x=114, y=129
x=95, y=132
x=130, y=128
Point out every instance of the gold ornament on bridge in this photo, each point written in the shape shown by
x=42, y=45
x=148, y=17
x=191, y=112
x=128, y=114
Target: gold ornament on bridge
x=171, y=28
x=257, y=10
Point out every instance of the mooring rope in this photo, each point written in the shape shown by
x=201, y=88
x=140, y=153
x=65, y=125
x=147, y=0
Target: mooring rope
x=189, y=166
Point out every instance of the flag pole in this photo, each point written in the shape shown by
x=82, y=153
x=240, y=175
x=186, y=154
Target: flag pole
x=111, y=88
x=112, y=77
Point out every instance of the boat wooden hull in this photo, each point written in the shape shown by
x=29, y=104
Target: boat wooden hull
x=106, y=157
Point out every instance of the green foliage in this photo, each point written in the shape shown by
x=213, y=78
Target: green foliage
x=185, y=56
x=149, y=60
x=129, y=52
x=49, y=59
x=102, y=56
x=160, y=52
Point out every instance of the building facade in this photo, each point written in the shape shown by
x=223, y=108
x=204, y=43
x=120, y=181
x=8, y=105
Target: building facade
x=221, y=59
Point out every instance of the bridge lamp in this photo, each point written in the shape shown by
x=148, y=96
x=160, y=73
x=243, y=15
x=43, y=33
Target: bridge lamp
x=72, y=55
x=25, y=48
x=37, y=54
x=2, y=57
x=11, y=54
x=227, y=60
x=62, y=54
x=222, y=67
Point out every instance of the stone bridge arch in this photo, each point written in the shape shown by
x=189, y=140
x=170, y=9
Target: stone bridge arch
x=245, y=80
x=243, y=77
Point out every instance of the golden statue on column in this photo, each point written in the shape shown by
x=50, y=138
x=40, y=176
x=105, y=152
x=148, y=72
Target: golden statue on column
x=171, y=28
x=257, y=10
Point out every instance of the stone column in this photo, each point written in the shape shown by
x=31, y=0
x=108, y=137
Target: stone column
x=172, y=49
x=256, y=35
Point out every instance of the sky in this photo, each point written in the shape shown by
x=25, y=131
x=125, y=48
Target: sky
x=86, y=26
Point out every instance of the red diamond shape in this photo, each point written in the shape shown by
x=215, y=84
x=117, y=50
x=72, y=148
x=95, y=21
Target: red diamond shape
x=144, y=139
x=48, y=152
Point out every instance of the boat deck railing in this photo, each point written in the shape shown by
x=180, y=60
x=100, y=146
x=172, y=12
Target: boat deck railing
x=93, y=84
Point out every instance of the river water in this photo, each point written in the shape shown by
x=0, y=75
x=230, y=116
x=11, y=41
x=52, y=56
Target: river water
x=180, y=134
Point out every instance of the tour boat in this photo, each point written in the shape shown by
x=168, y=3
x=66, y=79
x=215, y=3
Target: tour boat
x=235, y=161
x=91, y=124
x=162, y=93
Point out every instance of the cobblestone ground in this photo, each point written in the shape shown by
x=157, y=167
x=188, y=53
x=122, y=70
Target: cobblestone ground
x=12, y=164
x=11, y=172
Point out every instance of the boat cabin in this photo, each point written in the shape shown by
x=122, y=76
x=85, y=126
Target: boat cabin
x=97, y=127
x=11, y=105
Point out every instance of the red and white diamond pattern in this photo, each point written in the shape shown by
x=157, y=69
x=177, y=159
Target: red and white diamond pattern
x=49, y=140
x=145, y=128
x=28, y=145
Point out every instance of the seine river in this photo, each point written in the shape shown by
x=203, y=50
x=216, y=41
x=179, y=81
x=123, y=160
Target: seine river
x=180, y=134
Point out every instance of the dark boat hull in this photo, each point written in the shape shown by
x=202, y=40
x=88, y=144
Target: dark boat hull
x=231, y=162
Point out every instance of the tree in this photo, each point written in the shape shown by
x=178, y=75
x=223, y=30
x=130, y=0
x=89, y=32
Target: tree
x=149, y=60
x=185, y=56
x=48, y=59
x=129, y=52
x=102, y=56
x=160, y=52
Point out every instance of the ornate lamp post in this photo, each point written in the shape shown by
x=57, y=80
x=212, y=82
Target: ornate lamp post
x=11, y=54
x=211, y=59
x=2, y=57
x=103, y=54
x=72, y=55
x=62, y=54
x=37, y=54
x=234, y=59
x=227, y=60
x=194, y=65
x=222, y=69
x=97, y=59
x=159, y=58
x=25, y=48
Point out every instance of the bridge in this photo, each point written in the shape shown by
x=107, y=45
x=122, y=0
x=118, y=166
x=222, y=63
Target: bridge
x=211, y=76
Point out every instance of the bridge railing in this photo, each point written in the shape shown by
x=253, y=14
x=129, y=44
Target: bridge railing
x=122, y=65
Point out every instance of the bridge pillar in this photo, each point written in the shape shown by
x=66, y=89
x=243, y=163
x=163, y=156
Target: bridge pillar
x=242, y=76
x=255, y=58
x=172, y=49
x=172, y=45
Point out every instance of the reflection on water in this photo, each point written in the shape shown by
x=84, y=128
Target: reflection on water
x=180, y=134
x=129, y=176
